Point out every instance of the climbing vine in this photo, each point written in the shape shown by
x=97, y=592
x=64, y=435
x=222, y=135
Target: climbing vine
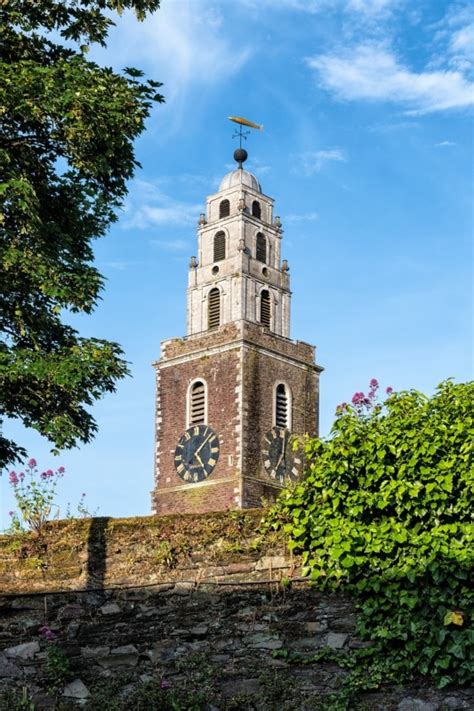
x=385, y=513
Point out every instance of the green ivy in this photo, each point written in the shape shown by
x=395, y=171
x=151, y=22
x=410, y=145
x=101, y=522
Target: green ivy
x=385, y=513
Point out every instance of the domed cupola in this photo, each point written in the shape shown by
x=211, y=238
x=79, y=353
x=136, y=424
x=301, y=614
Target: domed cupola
x=240, y=177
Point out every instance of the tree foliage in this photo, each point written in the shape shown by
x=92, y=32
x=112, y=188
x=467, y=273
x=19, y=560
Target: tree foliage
x=385, y=513
x=67, y=128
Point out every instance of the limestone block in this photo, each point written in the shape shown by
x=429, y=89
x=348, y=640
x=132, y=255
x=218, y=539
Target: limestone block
x=336, y=640
x=76, y=690
x=23, y=651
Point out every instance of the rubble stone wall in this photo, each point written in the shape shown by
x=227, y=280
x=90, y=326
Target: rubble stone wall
x=189, y=601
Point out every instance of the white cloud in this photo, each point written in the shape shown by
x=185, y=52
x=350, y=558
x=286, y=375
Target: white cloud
x=147, y=205
x=310, y=162
x=371, y=72
x=181, y=45
x=442, y=144
x=293, y=218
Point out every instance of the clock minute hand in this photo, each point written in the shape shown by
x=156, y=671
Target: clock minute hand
x=202, y=445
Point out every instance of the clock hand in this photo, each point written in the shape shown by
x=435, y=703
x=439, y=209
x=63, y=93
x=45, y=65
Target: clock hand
x=199, y=459
x=202, y=445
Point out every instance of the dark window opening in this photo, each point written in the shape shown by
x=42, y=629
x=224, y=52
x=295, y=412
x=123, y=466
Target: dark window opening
x=219, y=247
x=256, y=209
x=198, y=404
x=281, y=407
x=265, y=308
x=261, y=251
x=224, y=209
x=214, y=314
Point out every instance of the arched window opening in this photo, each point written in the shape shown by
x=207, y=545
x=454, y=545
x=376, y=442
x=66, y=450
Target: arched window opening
x=256, y=209
x=197, y=405
x=224, y=209
x=214, y=314
x=265, y=308
x=282, y=413
x=261, y=251
x=219, y=247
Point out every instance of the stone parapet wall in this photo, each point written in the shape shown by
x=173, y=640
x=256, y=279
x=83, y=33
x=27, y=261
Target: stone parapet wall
x=201, y=603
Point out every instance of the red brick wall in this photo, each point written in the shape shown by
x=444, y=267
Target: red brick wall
x=222, y=375
x=249, y=360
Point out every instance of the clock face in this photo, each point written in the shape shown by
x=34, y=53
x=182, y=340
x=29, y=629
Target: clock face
x=279, y=460
x=196, y=453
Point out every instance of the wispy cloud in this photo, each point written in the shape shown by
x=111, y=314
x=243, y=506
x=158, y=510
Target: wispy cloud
x=293, y=218
x=373, y=73
x=310, y=162
x=444, y=144
x=181, y=44
x=148, y=205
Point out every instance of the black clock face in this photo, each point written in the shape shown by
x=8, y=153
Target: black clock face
x=279, y=460
x=196, y=453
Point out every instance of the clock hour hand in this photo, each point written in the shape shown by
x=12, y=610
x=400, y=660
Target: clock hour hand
x=199, y=459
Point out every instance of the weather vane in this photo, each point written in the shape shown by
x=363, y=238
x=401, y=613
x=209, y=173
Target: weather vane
x=241, y=154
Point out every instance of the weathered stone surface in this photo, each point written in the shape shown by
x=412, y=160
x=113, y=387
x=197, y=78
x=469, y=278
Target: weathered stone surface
x=263, y=641
x=336, y=640
x=23, y=651
x=8, y=669
x=454, y=702
x=94, y=652
x=110, y=608
x=274, y=562
x=76, y=690
x=412, y=704
x=70, y=612
x=241, y=687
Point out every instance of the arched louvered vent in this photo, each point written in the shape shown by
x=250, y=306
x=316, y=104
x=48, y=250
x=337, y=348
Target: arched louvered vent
x=224, y=209
x=256, y=209
x=265, y=308
x=261, y=251
x=281, y=407
x=197, y=409
x=219, y=246
x=214, y=308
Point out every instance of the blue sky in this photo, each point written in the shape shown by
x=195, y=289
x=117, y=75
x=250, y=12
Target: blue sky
x=367, y=150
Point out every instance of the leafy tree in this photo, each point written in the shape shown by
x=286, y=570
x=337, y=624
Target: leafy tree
x=67, y=128
x=385, y=513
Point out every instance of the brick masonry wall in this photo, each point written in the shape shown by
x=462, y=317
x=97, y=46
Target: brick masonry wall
x=241, y=363
x=216, y=606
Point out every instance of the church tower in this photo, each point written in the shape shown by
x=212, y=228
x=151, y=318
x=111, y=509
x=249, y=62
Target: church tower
x=236, y=390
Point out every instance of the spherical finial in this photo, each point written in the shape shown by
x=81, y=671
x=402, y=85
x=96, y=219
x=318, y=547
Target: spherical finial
x=240, y=155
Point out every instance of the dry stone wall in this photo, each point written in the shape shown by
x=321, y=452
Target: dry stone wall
x=195, y=603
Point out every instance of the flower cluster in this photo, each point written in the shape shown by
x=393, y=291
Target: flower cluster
x=34, y=494
x=362, y=403
x=47, y=633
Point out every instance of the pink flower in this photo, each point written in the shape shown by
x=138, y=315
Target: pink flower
x=44, y=475
x=61, y=470
x=47, y=633
x=374, y=383
x=165, y=684
x=11, y=513
x=32, y=463
x=14, y=478
x=21, y=476
x=50, y=473
x=389, y=390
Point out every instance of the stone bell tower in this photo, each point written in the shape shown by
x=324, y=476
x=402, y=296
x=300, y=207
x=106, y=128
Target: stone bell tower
x=235, y=391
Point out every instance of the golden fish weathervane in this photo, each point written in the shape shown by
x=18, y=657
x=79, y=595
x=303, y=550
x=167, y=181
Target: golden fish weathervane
x=245, y=122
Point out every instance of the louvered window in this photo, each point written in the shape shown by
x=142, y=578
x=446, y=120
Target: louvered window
x=256, y=209
x=265, y=308
x=261, y=252
x=214, y=308
x=219, y=247
x=282, y=407
x=197, y=409
x=224, y=209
